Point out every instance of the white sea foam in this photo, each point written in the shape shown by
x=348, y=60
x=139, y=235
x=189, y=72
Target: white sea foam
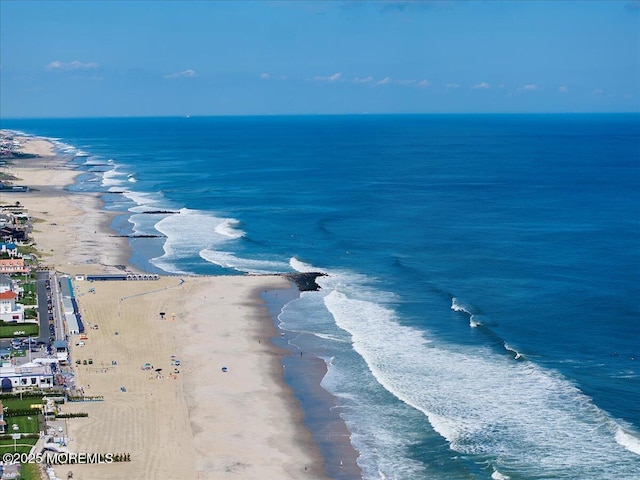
x=190, y=234
x=113, y=178
x=63, y=147
x=496, y=475
x=229, y=260
x=144, y=201
x=299, y=266
x=93, y=161
x=19, y=133
x=628, y=441
x=458, y=306
x=333, y=338
x=229, y=228
x=378, y=442
x=479, y=401
x=516, y=353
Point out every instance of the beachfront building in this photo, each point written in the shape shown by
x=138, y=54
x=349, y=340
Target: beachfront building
x=10, y=311
x=10, y=249
x=25, y=377
x=72, y=315
x=12, y=234
x=61, y=350
x=13, y=265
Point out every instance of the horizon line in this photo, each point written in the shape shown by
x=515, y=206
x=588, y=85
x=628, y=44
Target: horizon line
x=362, y=114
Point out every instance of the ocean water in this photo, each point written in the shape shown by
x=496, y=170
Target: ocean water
x=480, y=316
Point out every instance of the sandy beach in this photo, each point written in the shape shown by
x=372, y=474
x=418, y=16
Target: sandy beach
x=70, y=230
x=193, y=420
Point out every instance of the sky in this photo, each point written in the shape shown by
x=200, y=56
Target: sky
x=163, y=58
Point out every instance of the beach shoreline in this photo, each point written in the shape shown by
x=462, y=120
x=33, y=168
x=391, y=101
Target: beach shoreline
x=74, y=234
x=80, y=233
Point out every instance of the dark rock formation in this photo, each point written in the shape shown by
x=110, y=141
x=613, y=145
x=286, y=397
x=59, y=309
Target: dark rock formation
x=305, y=281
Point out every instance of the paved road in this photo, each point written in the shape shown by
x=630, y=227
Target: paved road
x=42, y=278
x=48, y=297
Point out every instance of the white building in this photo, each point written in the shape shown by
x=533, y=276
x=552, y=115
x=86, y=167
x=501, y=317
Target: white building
x=10, y=311
x=26, y=376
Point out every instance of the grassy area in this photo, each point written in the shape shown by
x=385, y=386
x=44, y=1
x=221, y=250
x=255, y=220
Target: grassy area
x=29, y=299
x=30, y=288
x=29, y=329
x=29, y=471
x=23, y=445
x=20, y=404
x=26, y=424
x=27, y=250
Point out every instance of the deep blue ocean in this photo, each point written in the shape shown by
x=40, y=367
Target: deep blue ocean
x=481, y=314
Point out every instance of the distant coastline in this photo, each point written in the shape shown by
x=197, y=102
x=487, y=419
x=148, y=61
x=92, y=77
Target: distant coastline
x=77, y=217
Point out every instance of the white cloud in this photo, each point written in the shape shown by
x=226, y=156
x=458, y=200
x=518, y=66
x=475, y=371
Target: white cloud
x=362, y=79
x=384, y=81
x=529, y=87
x=563, y=89
x=185, y=74
x=265, y=76
x=424, y=83
x=481, y=85
x=597, y=91
x=59, y=66
x=331, y=78
x=452, y=85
